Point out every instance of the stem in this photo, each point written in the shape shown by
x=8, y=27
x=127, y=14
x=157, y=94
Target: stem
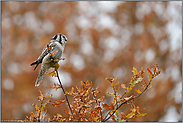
x=64, y=92
x=39, y=118
x=97, y=104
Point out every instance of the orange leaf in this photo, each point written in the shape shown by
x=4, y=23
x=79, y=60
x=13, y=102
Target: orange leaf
x=111, y=94
x=106, y=106
x=138, y=91
x=58, y=103
x=123, y=116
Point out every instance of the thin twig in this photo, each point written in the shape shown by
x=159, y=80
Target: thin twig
x=126, y=102
x=40, y=111
x=116, y=101
x=64, y=92
x=115, y=96
x=97, y=104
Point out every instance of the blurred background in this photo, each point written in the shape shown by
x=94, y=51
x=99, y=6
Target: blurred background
x=105, y=39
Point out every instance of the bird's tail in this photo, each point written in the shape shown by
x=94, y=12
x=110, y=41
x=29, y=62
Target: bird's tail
x=36, y=62
x=40, y=76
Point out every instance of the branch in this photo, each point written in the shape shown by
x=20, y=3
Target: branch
x=97, y=104
x=40, y=111
x=126, y=102
x=64, y=92
x=115, y=104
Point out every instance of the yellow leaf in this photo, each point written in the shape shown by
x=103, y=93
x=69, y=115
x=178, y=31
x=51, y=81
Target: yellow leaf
x=150, y=77
x=107, y=80
x=111, y=94
x=128, y=89
x=134, y=71
x=86, y=93
x=52, y=73
x=142, y=114
x=137, y=109
x=130, y=114
x=72, y=90
x=123, y=86
x=134, y=110
x=117, y=113
x=138, y=91
x=115, y=79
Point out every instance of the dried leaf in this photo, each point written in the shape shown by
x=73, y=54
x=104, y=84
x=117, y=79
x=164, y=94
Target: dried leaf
x=123, y=116
x=138, y=91
x=52, y=73
x=142, y=114
x=130, y=115
x=111, y=94
x=123, y=86
x=134, y=71
x=109, y=107
x=127, y=98
x=58, y=103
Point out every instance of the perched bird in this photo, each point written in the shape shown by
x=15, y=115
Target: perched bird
x=51, y=52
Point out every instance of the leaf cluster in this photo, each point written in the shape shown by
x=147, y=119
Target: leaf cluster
x=89, y=105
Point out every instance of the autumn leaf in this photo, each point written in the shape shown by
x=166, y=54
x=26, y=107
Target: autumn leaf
x=109, y=107
x=48, y=96
x=62, y=59
x=56, y=66
x=134, y=71
x=58, y=103
x=108, y=80
x=117, y=113
x=52, y=73
x=138, y=91
x=123, y=116
x=55, y=86
x=150, y=74
x=130, y=115
x=142, y=114
x=128, y=89
x=40, y=97
x=70, y=93
x=123, y=86
x=127, y=98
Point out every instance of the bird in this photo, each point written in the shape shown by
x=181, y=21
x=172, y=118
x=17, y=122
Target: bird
x=50, y=55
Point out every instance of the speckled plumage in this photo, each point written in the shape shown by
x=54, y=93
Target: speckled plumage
x=56, y=47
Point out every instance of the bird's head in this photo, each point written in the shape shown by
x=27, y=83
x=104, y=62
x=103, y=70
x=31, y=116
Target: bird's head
x=62, y=39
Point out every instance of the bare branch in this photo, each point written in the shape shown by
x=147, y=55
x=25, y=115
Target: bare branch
x=64, y=92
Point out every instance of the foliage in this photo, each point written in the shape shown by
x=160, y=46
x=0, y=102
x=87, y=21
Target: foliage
x=88, y=104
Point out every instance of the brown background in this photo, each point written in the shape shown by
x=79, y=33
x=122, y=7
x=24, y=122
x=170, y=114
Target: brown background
x=105, y=39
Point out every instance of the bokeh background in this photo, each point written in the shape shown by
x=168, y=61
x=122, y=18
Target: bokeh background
x=105, y=39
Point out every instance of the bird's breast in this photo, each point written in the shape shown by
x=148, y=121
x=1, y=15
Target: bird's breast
x=57, y=51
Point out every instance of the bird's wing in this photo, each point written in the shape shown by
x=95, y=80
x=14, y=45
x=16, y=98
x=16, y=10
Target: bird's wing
x=47, y=49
